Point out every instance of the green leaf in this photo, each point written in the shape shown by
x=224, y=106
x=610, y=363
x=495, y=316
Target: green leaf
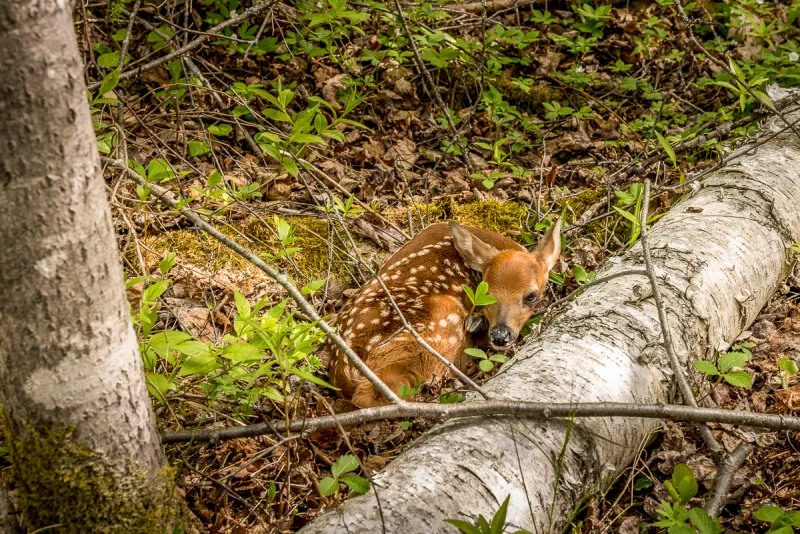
x=155, y=290
x=706, y=367
x=628, y=215
x=642, y=483
x=158, y=385
x=198, y=148
x=328, y=486
x=739, y=379
x=199, y=364
x=214, y=179
x=109, y=60
x=159, y=170
x=242, y=306
x=290, y=166
x=311, y=378
x=793, y=518
x=109, y=82
x=463, y=526
x=167, y=263
x=499, y=519
x=732, y=359
x=356, y=483
x=768, y=514
x=470, y=294
x=788, y=365
x=786, y=529
x=313, y=286
x=580, y=274
x=681, y=528
x=268, y=136
x=475, y=353
x=241, y=352
x=164, y=342
x=194, y=348
x=684, y=482
x=220, y=130
x=482, y=297
x=306, y=138
x=704, y=523
x=486, y=365
x=667, y=148
x=344, y=464
x=274, y=114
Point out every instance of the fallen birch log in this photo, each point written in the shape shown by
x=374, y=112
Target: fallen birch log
x=719, y=255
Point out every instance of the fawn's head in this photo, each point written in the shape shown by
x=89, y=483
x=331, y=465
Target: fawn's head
x=516, y=279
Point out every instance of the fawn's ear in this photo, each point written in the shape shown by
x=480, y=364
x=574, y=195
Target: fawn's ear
x=549, y=248
x=475, y=252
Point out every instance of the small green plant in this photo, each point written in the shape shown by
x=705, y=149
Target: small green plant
x=341, y=467
x=781, y=522
x=486, y=363
x=308, y=127
x=741, y=91
x=581, y=275
x=633, y=196
x=788, y=369
x=676, y=517
x=346, y=208
x=556, y=110
x=735, y=358
x=285, y=233
x=406, y=391
x=483, y=526
x=479, y=297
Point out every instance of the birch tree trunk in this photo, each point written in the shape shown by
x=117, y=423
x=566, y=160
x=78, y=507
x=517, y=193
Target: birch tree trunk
x=77, y=418
x=719, y=256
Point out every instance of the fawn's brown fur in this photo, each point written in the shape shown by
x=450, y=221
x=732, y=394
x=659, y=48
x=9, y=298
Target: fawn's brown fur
x=426, y=278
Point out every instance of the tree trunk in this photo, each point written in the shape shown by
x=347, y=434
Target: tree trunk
x=77, y=418
x=719, y=255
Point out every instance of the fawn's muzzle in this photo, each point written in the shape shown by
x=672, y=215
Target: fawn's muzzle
x=501, y=336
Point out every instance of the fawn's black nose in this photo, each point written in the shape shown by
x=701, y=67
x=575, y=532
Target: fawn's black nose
x=501, y=336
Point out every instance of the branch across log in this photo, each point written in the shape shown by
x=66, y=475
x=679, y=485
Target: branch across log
x=718, y=255
x=532, y=410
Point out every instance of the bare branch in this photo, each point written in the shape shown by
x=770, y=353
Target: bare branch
x=533, y=410
x=677, y=368
x=727, y=468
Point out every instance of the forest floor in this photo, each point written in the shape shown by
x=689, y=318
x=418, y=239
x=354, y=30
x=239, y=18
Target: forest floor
x=307, y=124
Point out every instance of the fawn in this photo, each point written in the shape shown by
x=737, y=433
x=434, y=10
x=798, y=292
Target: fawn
x=426, y=278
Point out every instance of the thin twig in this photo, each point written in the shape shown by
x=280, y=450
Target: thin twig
x=282, y=280
x=433, y=90
x=532, y=410
x=677, y=368
x=188, y=47
x=123, y=143
x=722, y=484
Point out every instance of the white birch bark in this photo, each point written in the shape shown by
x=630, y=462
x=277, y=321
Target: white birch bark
x=719, y=256
x=85, y=451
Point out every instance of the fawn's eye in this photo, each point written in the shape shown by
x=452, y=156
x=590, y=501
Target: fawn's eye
x=530, y=298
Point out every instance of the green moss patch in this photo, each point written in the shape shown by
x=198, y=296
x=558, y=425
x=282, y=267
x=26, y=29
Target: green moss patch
x=64, y=486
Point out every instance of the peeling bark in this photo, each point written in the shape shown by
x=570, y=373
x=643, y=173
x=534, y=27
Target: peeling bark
x=77, y=416
x=719, y=255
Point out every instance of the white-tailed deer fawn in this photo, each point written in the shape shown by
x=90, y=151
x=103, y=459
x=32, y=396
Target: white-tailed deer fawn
x=426, y=278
